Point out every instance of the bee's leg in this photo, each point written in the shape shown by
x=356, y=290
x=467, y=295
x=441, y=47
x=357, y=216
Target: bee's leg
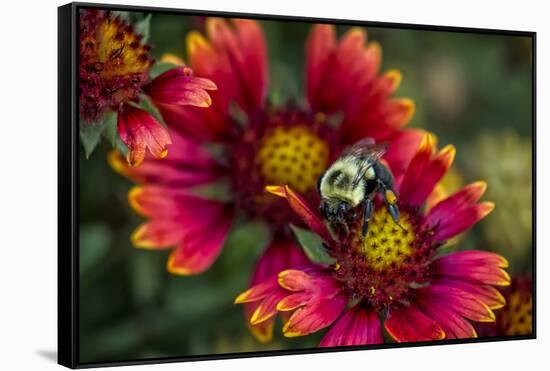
x=331, y=231
x=346, y=228
x=391, y=202
x=368, y=207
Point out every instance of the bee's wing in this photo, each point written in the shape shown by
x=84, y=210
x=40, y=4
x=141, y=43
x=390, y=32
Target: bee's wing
x=368, y=151
x=367, y=147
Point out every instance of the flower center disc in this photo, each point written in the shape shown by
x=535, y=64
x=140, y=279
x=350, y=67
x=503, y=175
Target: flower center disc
x=114, y=63
x=517, y=318
x=121, y=51
x=386, y=245
x=295, y=156
x=383, y=267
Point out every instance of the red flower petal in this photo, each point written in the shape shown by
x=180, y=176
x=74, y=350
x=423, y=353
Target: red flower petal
x=261, y=307
x=424, y=171
x=454, y=325
x=184, y=76
x=402, y=148
x=468, y=195
x=319, y=45
x=281, y=254
x=204, y=59
x=317, y=301
x=203, y=225
x=314, y=315
x=341, y=70
x=293, y=301
x=459, y=212
x=300, y=207
x=187, y=164
x=178, y=86
x=158, y=234
x=357, y=326
x=267, y=308
x=294, y=280
x=254, y=49
x=200, y=246
x=485, y=293
x=457, y=301
x=336, y=74
x=212, y=124
x=373, y=113
x=342, y=77
x=152, y=201
x=463, y=220
x=389, y=115
x=409, y=323
x=473, y=266
x=236, y=58
x=263, y=331
x=140, y=131
x=474, y=257
x=258, y=291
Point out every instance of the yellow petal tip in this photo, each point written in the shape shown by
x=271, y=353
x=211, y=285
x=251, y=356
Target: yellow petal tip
x=171, y=58
x=242, y=298
x=395, y=77
x=133, y=196
x=177, y=270
x=486, y=208
x=263, y=335
x=276, y=190
x=195, y=41
x=163, y=153
x=449, y=151
x=137, y=238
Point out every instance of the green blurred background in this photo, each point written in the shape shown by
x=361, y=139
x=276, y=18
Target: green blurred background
x=471, y=90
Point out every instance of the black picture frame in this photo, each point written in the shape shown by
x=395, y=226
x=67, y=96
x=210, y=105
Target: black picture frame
x=68, y=182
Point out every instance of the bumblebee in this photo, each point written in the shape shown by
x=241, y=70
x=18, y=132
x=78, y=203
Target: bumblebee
x=354, y=180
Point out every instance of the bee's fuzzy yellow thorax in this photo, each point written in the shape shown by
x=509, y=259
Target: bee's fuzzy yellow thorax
x=343, y=192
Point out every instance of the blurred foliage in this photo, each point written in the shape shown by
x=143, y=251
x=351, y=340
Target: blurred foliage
x=504, y=160
x=469, y=89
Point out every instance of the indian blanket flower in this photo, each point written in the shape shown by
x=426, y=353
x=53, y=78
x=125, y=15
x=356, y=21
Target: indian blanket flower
x=258, y=144
x=396, y=279
x=516, y=318
x=114, y=74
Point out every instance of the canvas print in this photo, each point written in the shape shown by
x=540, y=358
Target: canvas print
x=253, y=184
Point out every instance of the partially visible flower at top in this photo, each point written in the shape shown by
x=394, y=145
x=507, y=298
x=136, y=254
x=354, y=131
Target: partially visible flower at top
x=399, y=275
x=505, y=160
x=516, y=318
x=114, y=74
x=260, y=144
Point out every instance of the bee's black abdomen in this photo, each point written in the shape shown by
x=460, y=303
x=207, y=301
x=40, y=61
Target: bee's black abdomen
x=383, y=173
